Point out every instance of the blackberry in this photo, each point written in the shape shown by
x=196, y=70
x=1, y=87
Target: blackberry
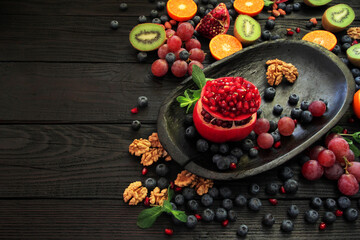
x=190, y=132
x=162, y=183
x=232, y=216
x=291, y=186
x=272, y=188
x=170, y=57
x=191, y=221
x=135, y=125
x=240, y=200
x=273, y=126
x=196, y=19
x=270, y=24
x=269, y=93
x=293, y=99
x=193, y=205
x=306, y=117
x=114, y=24
x=254, y=204
x=225, y=192
x=216, y=158
x=221, y=214
x=330, y=204
x=208, y=215
x=242, y=230
x=296, y=113
x=179, y=199
x=311, y=216
x=160, y=5
x=343, y=202
x=247, y=144
x=227, y=204
x=188, y=193
x=316, y=202
x=123, y=6
x=304, y=105
x=253, y=152
x=156, y=20
x=224, y=148
x=297, y=7
x=143, y=101
x=337, y=49
x=329, y=217
x=285, y=173
x=351, y=214
x=150, y=183
x=236, y=152
x=254, y=189
x=162, y=170
x=346, y=39
x=268, y=220
x=276, y=135
x=154, y=13
x=293, y=211
x=214, y=192
x=223, y=164
x=142, y=56
x=207, y=200
x=278, y=109
x=355, y=72
x=287, y=226
x=202, y=145
x=184, y=55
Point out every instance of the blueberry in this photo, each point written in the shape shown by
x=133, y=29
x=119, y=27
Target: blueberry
x=154, y=13
x=242, y=230
x=232, y=216
x=304, y=105
x=329, y=217
x=123, y=6
x=192, y=24
x=357, y=80
x=309, y=25
x=343, y=202
x=229, y=5
x=189, y=193
x=221, y=214
x=190, y=132
x=346, y=39
x=214, y=192
x=296, y=6
x=224, y=148
x=258, y=113
x=193, y=205
x=160, y=5
x=156, y=20
x=254, y=204
x=150, y=183
x=184, y=55
x=270, y=24
x=254, y=189
x=303, y=159
x=268, y=220
x=213, y=2
x=114, y=24
x=202, y=145
x=351, y=214
x=355, y=72
x=170, y=58
x=265, y=35
x=201, y=11
x=337, y=49
x=223, y=164
x=247, y=144
x=216, y=158
x=293, y=211
x=271, y=188
x=269, y=93
x=252, y=136
x=287, y=226
x=191, y=221
x=214, y=148
x=179, y=199
x=291, y=186
x=143, y=101
x=164, y=18
x=293, y=99
x=209, y=7
x=316, y=202
x=227, y=204
x=311, y=216
x=196, y=19
x=278, y=109
x=275, y=37
x=273, y=126
x=330, y=204
x=225, y=192
x=208, y=215
x=357, y=87
x=253, y=152
x=240, y=200
x=296, y=113
x=285, y=173
x=276, y=136
x=162, y=170
x=345, y=60
x=236, y=152
x=135, y=125
x=142, y=56
x=162, y=183
x=232, y=159
x=189, y=119
x=306, y=117
x=345, y=46
x=282, y=6
x=289, y=8
x=207, y=200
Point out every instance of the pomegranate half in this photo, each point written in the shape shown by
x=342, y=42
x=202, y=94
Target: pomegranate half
x=226, y=110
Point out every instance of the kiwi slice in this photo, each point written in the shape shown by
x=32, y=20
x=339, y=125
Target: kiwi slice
x=247, y=30
x=147, y=36
x=353, y=54
x=338, y=17
x=316, y=3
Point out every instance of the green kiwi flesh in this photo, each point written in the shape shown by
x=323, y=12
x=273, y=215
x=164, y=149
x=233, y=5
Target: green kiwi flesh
x=353, y=54
x=147, y=36
x=316, y=3
x=246, y=29
x=338, y=17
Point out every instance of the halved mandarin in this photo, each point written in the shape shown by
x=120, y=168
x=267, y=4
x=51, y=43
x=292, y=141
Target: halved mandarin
x=181, y=10
x=249, y=7
x=224, y=45
x=324, y=38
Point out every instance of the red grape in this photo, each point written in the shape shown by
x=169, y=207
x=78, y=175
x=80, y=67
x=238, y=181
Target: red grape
x=314, y=151
x=334, y=172
x=159, y=68
x=163, y=50
x=326, y=158
x=185, y=31
x=330, y=137
x=179, y=68
x=286, y=126
x=178, y=52
x=312, y=170
x=197, y=54
x=350, y=156
x=354, y=169
x=265, y=140
x=194, y=63
x=317, y=108
x=174, y=43
x=339, y=146
x=348, y=185
x=169, y=33
x=192, y=43
x=262, y=125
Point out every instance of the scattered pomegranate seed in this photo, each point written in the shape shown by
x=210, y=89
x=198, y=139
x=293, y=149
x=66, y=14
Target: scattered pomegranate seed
x=295, y=121
x=273, y=201
x=271, y=18
x=169, y=231
x=198, y=217
x=232, y=166
x=172, y=185
x=225, y=223
x=144, y=171
x=339, y=213
x=351, y=120
x=178, y=189
x=345, y=131
x=314, y=21
x=277, y=144
x=282, y=189
x=289, y=32
x=257, y=147
x=322, y=226
x=297, y=30
x=354, y=42
x=147, y=201
x=134, y=110
x=172, y=22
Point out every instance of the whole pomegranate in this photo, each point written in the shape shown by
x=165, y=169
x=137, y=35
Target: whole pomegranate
x=226, y=110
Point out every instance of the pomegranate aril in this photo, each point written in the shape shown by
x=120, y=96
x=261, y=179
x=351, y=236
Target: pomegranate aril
x=172, y=185
x=198, y=217
x=277, y=144
x=168, y=231
x=178, y=189
x=345, y=131
x=297, y=29
x=232, y=166
x=282, y=189
x=273, y=201
x=147, y=201
x=225, y=223
x=322, y=226
x=144, y=171
x=339, y=213
x=134, y=110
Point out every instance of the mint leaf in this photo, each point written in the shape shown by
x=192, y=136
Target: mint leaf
x=189, y=99
x=170, y=193
x=167, y=206
x=268, y=3
x=148, y=216
x=350, y=142
x=337, y=129
x=180, y=215
x=198, y=76
x=356, y=137
x=355, y=150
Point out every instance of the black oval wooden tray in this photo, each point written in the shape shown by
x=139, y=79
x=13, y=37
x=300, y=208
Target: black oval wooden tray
x=321, y=75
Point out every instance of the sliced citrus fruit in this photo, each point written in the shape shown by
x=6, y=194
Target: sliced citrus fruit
x=356, y=103
x=181, y=10
x=224, y=45
x=249, y=7
x=324, y=38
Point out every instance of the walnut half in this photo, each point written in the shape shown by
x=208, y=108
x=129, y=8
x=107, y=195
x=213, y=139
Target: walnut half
x=135, y=193
x=278, y=69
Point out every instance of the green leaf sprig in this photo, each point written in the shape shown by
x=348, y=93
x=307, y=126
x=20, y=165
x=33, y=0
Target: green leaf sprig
x=268, y=3
x=191, y=96
x=148, y=216
x=355, y=136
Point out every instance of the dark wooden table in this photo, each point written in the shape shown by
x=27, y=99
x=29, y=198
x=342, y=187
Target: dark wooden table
x=67, y=84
